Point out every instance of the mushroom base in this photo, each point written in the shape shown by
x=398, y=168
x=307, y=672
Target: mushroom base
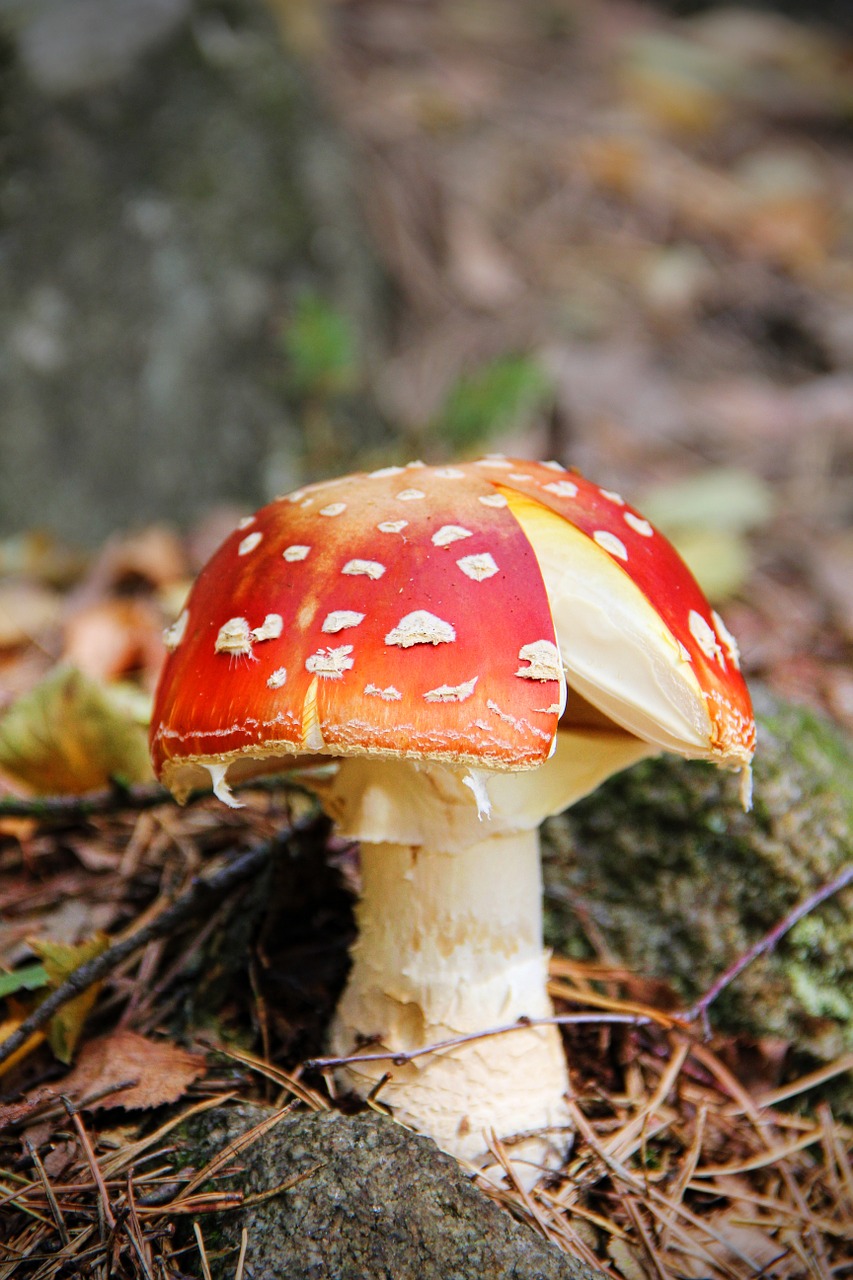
x=450, y=944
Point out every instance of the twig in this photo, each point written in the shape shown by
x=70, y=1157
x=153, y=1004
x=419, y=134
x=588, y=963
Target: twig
x=120, y=797
x=399, y=1058
x=261, y=1197
x=53, y=1204
x=70, y=807
x=244, y=1244
x=89, y=1153
x=242, y=867
x=767, y=943
x=205, y=1265
x=697, y=1010
x=134, y=1231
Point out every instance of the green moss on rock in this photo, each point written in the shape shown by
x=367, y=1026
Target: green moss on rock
x=681, y=882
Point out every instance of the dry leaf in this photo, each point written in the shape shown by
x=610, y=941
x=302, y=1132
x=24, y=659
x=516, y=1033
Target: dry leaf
x=35, y=554
x=627, y=1259
x=60, y=1158
x=60, y=959
x=66, y=735
x=14, y=1112
x=788, y=215
x=162, y=1071
x=26, y=612
x=94, y=854
x=749, y=1240
x=113, y=637
x=153, y=556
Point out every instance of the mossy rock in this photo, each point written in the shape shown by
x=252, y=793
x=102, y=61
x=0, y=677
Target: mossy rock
x=681, y=882
x=366, y=1199
x=172, y=188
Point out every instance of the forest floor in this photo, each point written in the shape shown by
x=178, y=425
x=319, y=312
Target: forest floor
x=614, y=237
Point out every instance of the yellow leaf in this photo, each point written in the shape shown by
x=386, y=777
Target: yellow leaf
x=8, y=1026
x=728, y=498
x=68, y=735
x=60, y=959
x=719, y=560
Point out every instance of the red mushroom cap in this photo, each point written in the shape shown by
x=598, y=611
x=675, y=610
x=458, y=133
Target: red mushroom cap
x=405, y=613
x=400, y=613
x=656, y=569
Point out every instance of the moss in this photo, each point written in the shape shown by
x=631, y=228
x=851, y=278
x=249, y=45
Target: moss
x=681, y=882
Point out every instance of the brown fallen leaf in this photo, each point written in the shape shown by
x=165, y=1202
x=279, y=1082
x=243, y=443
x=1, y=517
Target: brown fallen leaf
x=162, y=1071
x=739, y=1234
x=57, y=1160
x=26, y=612
x=153, y=557
x=113, y=637
x=12, y=1113
x=788, y=214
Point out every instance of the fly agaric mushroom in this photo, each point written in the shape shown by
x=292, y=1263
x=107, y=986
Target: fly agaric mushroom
x=420, y=625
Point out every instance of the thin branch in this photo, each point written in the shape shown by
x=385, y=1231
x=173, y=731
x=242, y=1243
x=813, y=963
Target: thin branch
x=398, y=1058
x=68, y=808
x=767, y=943
x=92, y=1160
x=244, y=1244
x=697, y=1010
x=120, y=798
x=52, y=1201
x=242, y=867
x=205, y=1265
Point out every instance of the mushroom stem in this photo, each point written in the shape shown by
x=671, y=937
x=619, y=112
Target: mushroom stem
x=451, y=943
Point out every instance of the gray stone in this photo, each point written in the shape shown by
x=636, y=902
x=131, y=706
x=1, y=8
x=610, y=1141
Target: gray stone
x=375, y=1201
x=73, y=45
x=156, y=226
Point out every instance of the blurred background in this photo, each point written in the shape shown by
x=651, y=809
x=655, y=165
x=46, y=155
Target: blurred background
x=247, y=244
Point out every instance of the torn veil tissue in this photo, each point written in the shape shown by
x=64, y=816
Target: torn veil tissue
x=476, y=782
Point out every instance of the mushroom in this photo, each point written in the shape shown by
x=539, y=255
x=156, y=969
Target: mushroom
x=419, y=626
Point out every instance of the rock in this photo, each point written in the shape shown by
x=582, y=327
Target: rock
x=72, y=45
x=681, y=882
x=171, y=188
x=375, y=1201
